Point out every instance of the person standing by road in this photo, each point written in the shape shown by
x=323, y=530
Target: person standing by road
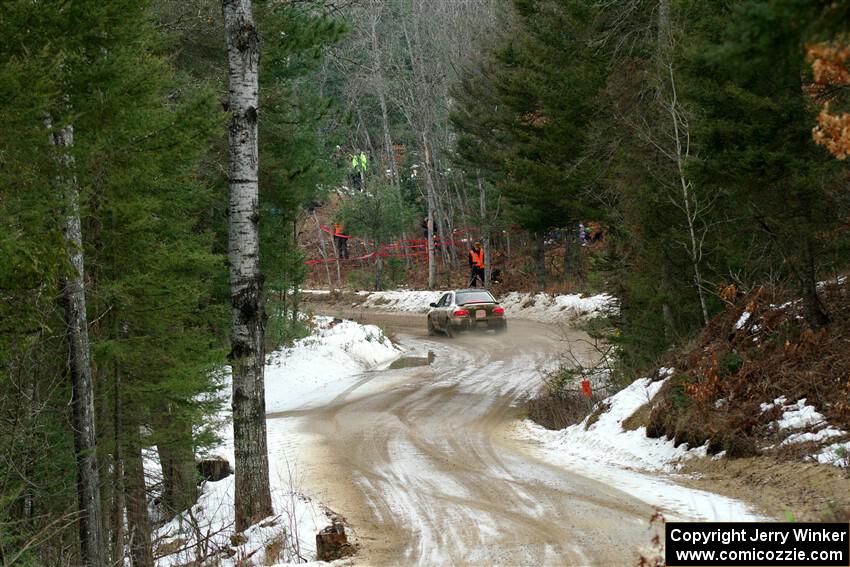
x=476, y=264
x=341, y=241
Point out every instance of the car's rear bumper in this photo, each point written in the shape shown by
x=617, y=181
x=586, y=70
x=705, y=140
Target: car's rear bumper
x=469, y=324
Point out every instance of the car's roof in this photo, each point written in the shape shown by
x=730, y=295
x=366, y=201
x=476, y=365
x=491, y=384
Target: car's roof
x=477, y=289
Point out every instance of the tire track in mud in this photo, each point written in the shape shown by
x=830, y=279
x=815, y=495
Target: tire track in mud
x=423, y=469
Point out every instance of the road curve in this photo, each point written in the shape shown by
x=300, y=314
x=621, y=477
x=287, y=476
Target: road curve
x=425, y=473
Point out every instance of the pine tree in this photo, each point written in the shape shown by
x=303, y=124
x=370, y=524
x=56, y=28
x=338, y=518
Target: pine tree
x=748, y=79
x=150, y=270
x=377, y=214
x=295, y=148
x=531, y=135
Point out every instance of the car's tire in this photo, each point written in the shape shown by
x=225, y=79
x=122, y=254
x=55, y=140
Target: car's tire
x=502, y=328
x=449, y=333
x=431, y=330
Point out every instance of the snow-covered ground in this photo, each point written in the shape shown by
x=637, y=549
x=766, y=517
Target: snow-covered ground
x=603, y=449
x=312, y=372
x=630, y=460
x=318, y=367
x=332, y=361
x=533, y=306
x=802, y=423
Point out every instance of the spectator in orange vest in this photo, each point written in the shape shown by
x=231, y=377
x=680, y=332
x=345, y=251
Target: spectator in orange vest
x=476, y=264
x=341, y=241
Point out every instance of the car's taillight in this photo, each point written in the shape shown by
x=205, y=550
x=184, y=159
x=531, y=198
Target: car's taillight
x=461, y=313
x=498, y=311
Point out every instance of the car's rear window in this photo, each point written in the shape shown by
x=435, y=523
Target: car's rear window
x=464, y=297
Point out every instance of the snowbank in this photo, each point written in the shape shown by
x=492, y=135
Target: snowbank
x=312, y=372
x=208, y=527
x=605, y=451
x=541, y=307
x=605, y=439
x=555, y=308
x=837, y=454
x=800, y=416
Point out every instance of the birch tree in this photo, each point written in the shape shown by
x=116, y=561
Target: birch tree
x=73, y=297
x=247, y=356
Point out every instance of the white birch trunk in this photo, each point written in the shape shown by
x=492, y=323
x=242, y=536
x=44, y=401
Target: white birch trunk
x=322, y=252
x=73, y=295
x=247, y=355
x=485, y=232
x=429, y=186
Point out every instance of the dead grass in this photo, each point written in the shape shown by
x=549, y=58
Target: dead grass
x=600, y=408
x=638, y=419
x=273, y=551
x=556, y=411
x=720, y=382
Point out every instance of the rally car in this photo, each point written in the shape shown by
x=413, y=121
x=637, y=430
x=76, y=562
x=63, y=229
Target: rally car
x=466, y=310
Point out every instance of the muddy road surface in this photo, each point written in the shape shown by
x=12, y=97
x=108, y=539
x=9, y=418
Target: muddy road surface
x=420, y=463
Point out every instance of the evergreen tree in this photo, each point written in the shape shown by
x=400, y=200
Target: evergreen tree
x=139, y=131
x=749, y=79
x=535, y=127
x=378, y=214
x=295, y=147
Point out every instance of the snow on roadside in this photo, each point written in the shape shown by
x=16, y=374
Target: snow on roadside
x=554, y=308
x=630, y=460
x=411, y=301
x=318, y=367
x=606, y=440
x=266, y=542
x=311, y=372
x=799, y=416
x=837, y=454
x=541, y=307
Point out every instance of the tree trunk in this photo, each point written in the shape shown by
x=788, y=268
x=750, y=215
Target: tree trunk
x=816, y=313
x=247, y=355
x=378, y=273
x=443, y=216
x=179, y=473
x=450, y=231
x=485, y=232
x=324, y=254
x=569, y=267
x=338, y=268
x=540, y=259
x=666, y=308
x=681, y=139
x=73, y=298
x=138, y=522
x=429, y=186
x=118, y=500
x=380, y=88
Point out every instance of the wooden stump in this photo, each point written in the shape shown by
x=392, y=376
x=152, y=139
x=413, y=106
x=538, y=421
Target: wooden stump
x=214, y=469
x=332, y=543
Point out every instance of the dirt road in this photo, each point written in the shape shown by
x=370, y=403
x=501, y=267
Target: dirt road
x=424, y=472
